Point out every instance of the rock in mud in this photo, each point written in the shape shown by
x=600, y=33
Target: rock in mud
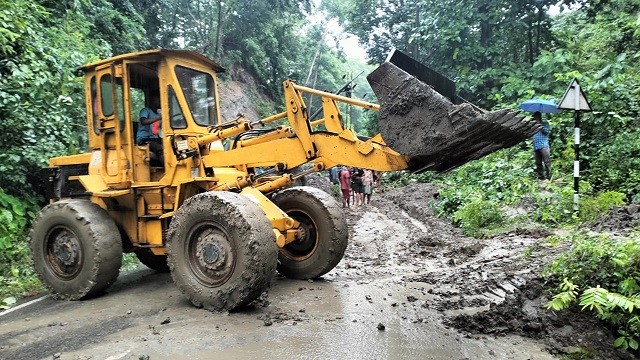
x=431, y=131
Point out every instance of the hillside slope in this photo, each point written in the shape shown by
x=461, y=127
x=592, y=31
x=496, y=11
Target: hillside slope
x=241, y=95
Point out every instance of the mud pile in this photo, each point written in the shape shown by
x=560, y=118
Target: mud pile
x=320, y=181
x=618, y=219
x=482, y=287
x=431, y=131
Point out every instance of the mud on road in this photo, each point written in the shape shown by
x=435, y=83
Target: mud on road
x=410, y=286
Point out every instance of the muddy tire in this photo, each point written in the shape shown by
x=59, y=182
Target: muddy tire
x=325, y=228
x=221, y=250
x=152, y=261
x=76, y=249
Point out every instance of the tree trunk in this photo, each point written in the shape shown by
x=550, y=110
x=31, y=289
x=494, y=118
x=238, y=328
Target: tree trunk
x=538, y=31
x=315, y=57
x=486, y=33
x=530, y=39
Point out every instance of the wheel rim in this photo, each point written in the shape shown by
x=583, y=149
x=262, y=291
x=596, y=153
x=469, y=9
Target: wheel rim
x=212, y=254
x=306, y=246
x=64, y=252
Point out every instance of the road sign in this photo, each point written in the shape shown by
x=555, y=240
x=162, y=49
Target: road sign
x=574, y=98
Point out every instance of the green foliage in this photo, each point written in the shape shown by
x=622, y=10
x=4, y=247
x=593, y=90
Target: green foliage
x=567, y=294
x=475, y=193
x=502, y=177
x=596, y=42
x=617, y=164
x=16, y=274
x=607, y=269
x=478, y=214
x=7, y=302
x=465, y=40
x=14, y=218
x=554, y=203
x=41, y=100
x=129, y=262
x=598, y=259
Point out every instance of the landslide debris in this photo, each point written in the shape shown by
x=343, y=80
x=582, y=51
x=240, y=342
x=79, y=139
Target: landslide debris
x=435, y=134
x=481, y=287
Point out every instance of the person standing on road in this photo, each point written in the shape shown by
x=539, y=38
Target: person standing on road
x=345, y=186
x=367, y=182
x=334, y=175
x=357, y=187
x=541, y=150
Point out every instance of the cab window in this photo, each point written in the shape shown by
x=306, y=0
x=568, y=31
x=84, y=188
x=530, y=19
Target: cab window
x=199, y=92
x=95, y=104
x=107, y=101
x=175, y=112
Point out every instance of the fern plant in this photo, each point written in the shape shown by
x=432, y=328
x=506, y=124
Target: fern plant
x=604, y=261
x=618, y=309
x=566, y=296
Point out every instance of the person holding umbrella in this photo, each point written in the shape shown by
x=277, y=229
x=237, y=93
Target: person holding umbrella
x=541, y=149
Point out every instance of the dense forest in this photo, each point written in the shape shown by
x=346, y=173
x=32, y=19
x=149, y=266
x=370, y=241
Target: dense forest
x=499, y=53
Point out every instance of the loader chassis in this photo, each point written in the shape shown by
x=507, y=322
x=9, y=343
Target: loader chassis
x=212, y=215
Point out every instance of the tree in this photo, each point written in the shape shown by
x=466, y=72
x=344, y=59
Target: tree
x=41, y=99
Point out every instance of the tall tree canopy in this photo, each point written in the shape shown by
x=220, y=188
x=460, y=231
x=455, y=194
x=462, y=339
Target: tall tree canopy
x=468, y=39
x=503, y=52
x=41, y=99
x=498, y=52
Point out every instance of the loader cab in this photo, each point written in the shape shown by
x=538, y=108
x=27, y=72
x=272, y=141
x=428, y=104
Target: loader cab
x=120, y=87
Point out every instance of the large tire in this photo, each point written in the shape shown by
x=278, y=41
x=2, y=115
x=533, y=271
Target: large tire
x=152, y=261
x=325, y=232
x=221, y=250
x=76, y=249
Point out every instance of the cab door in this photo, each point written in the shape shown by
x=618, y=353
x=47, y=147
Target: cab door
x=110, y=125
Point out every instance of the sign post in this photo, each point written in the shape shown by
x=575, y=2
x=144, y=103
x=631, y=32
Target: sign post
x=575, y=99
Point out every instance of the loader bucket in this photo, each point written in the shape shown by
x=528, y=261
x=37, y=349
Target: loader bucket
x=422, y=118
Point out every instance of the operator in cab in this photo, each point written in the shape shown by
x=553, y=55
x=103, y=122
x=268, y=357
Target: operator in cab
x=150, y=130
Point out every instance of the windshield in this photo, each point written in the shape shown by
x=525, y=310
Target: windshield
x=198, y=89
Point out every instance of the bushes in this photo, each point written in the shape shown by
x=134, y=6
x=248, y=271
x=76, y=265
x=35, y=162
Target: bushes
x=617, y=164
x=476, y=194
x=478, y=214
x=601, y=274
x=16, y=273
x=553, y=203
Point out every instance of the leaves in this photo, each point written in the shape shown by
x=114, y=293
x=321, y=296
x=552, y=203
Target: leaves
x=565, y=297
x=477, y=214
x=16, y=272
x=609, y=264
x=7, y=302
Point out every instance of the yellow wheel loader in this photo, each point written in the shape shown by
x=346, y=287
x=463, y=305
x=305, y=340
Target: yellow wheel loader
x=215, y=206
